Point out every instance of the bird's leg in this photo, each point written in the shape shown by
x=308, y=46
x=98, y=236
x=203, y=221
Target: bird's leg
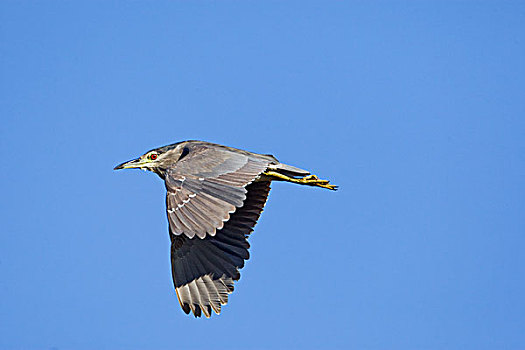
x=310, y=180
x=312, y=177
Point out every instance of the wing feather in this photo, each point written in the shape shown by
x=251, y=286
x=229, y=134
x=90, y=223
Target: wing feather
x=204, y=269
x=206, y=186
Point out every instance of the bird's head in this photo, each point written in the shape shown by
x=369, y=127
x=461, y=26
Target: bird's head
x=156, y=160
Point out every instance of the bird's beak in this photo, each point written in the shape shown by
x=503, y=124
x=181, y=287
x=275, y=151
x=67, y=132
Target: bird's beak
x=135, y=163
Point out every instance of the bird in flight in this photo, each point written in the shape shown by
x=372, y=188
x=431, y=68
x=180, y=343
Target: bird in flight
x=215, y=195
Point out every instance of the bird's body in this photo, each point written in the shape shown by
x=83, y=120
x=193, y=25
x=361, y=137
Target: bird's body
x=215, y=195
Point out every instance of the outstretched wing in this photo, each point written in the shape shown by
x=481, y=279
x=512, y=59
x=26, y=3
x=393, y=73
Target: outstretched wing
x=203, y=270
x=206, y=186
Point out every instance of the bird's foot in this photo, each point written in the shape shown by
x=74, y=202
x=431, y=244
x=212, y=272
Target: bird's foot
x=313, y=180
x=310, y=180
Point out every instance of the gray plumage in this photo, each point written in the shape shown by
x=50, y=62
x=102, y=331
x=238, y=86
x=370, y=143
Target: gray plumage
x=215, y=195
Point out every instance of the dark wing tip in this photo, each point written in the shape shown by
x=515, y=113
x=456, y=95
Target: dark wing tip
x=186, y=308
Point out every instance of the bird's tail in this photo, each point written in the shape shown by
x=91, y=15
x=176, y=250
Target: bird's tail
x=284, y=172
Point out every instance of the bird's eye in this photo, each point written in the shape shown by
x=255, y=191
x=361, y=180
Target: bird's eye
x=153, y=156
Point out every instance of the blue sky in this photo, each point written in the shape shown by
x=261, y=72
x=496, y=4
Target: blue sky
x=415, y=109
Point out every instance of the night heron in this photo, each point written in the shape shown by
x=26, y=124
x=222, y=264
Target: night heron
x=215, y=195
